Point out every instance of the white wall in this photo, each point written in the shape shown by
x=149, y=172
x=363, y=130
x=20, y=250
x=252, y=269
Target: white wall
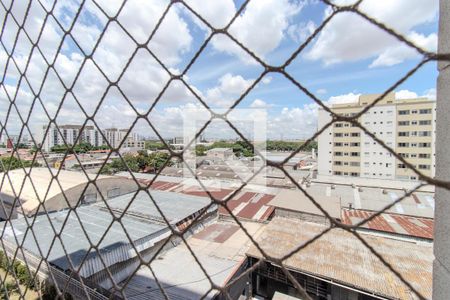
x=325, y=144
x=381, y=121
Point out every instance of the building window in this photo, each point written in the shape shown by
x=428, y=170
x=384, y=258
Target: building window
x=414, y=111
x=338, y=135
x=354, y=154
x=354, y=174
x=337, y=153
x=401, y=166
x=424, y=155
x=424, y=145
x=354, y=144
x=424, y=167
x=403, y=133
x=425, y=122
x=404, y=155
x=403, y=112
x=354, y=134
x=338, y=144
x=338, y=163
x=354, y=163
x=425, y=111
x=403, y=145
x=337, y=173
x=403, y=123
x=424, y=133
x=337, y=124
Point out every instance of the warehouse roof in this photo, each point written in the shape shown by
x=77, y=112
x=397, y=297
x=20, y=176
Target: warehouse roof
x=392, y=223
x=296, y=200
x=220, y=248
x=39, y=185
x=342, y=258
x=142, y=222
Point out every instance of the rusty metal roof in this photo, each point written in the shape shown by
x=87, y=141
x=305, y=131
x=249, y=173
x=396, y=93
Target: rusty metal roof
x=393, y=223
x=340, y=257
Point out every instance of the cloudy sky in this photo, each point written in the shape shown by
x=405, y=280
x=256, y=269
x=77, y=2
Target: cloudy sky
x=349, y=57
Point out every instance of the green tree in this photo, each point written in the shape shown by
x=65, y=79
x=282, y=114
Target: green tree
x=12, y=163
x=142, y=162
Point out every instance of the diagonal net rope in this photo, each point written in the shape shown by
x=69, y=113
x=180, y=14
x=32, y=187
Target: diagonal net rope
x=73, y=282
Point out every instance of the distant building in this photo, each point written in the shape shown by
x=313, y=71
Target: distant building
x=220, y=153
x=68, y=135
x=116, y=136
x=407, y=126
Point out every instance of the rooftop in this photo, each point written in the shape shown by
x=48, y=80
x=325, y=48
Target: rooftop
x=296, y=200
x=419, y=204
x=392, y=223
x=142, y=222
x=220, y=248
x=340, y=257
x=40, y=186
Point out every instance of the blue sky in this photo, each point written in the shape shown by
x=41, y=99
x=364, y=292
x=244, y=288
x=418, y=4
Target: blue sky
x=349, y=57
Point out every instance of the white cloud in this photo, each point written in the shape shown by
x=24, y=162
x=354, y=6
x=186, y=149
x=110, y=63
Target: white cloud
x=343, y=99
x=266, y=79
x=399, y=53
x=348, y=37
x=142, y=83
x=430, y=94
x=218, y=13
x=405, y=94
x=296, y=122
x=300, y=32
x=321, y=91
x=258, y=103
x=228, y=89
x=260, y=19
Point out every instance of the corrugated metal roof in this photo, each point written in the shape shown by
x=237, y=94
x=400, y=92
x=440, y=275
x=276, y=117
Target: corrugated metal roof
x=142, y=222
x=394, y=223
x=220, y=248
x=339, y=256
x=42, y=178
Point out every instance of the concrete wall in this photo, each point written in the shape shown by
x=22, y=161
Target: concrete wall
x=441, y=265
x=325, y=147
x=285, y=213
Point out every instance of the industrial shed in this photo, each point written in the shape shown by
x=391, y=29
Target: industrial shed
x=37, y=185
x=338, y=265
x=94, y=224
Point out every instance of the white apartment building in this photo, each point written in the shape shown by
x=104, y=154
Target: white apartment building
x=68, y=134
x=115, y=137
x=407, y=126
